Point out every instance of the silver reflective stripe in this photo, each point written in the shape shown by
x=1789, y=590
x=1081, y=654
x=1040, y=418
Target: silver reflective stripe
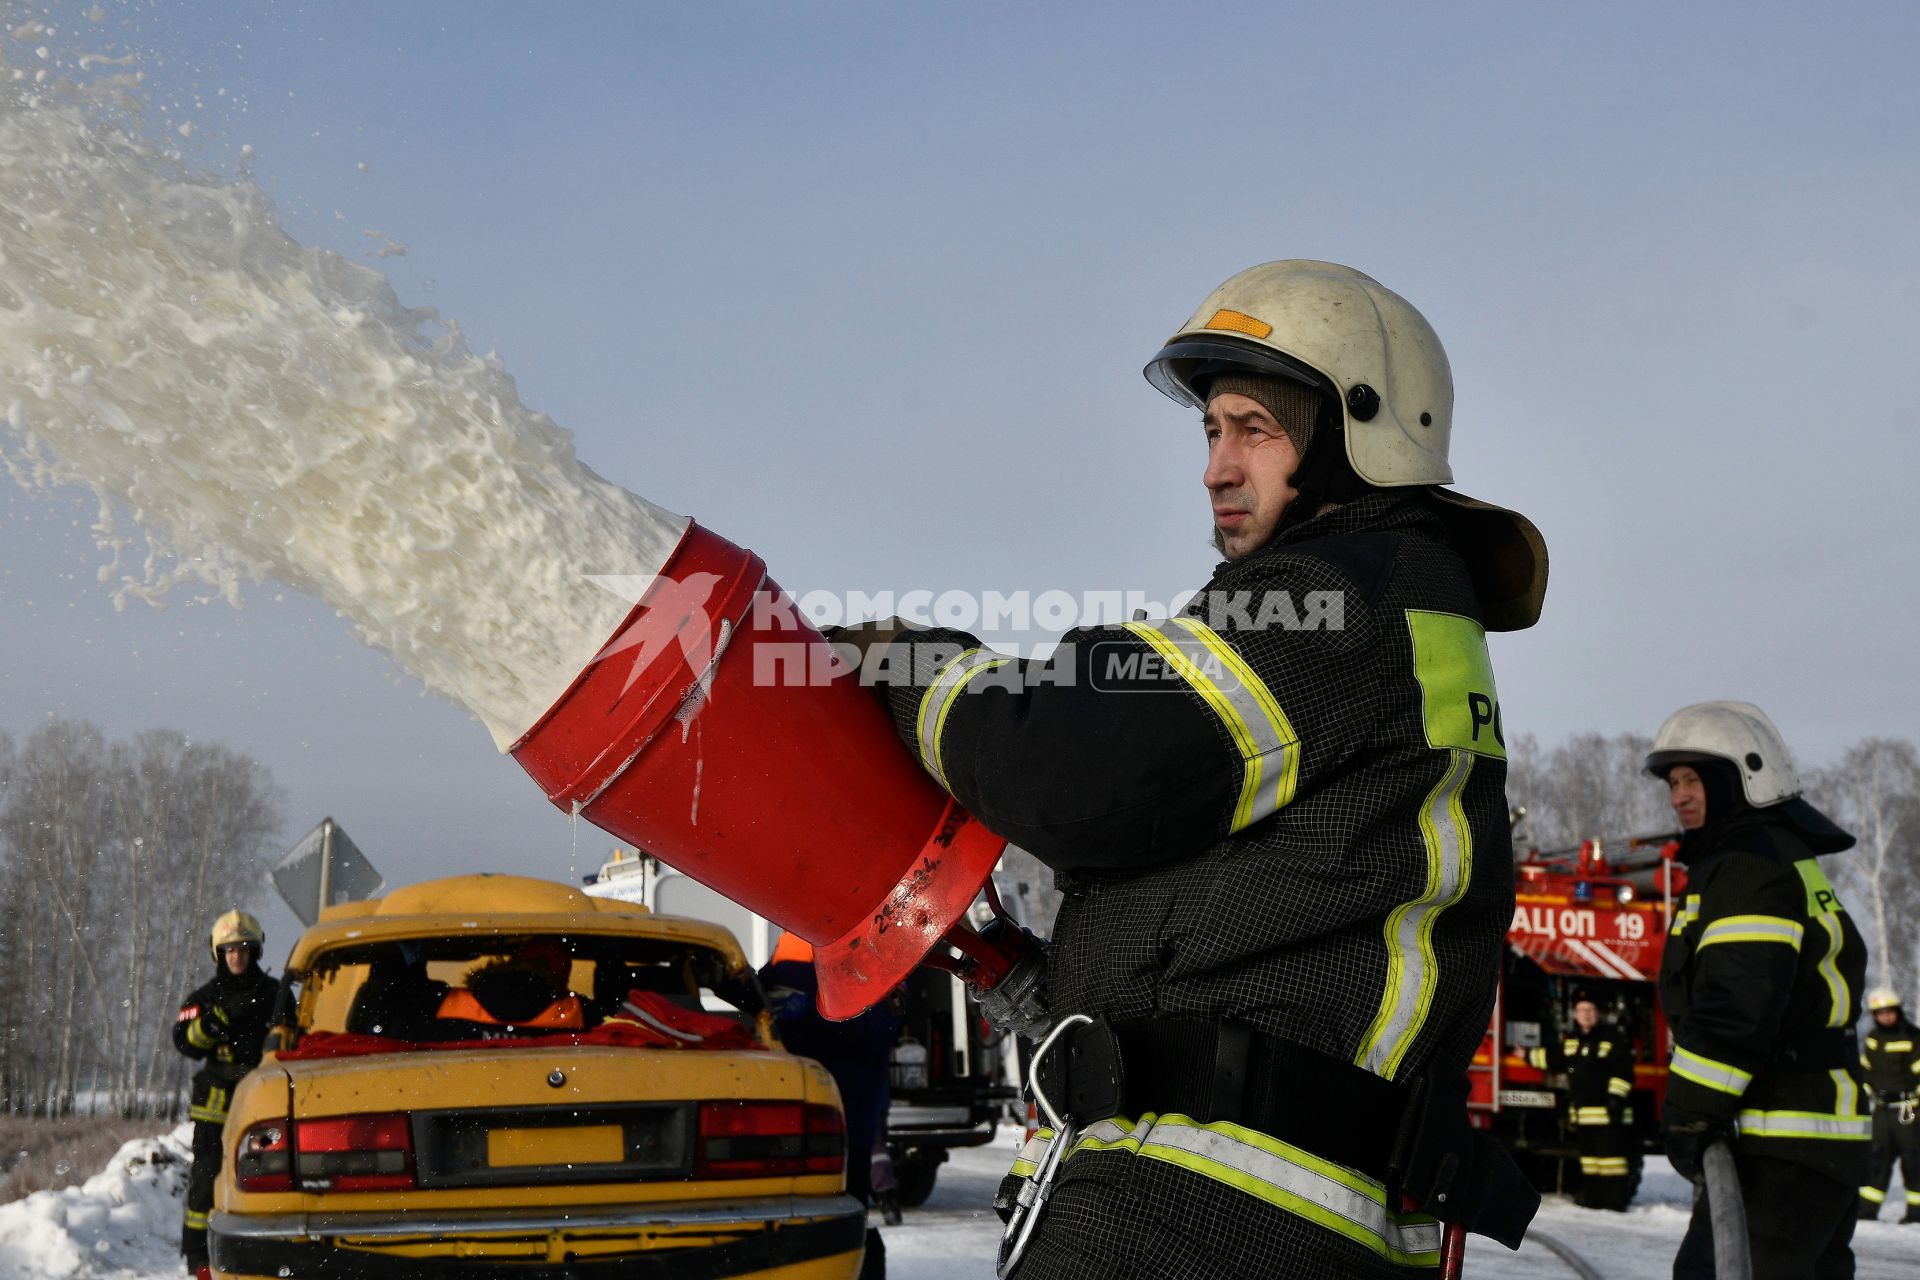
x=1269, y=748
x=1411, y=966
x=1804, y=1124
x=1753, y=929
x=1294, y=1180
x=938, y=700
x=1708, y=1073
x=1846, y=1094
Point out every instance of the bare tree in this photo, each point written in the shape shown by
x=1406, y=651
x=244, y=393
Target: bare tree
x=114, y=858
x=1590, y=787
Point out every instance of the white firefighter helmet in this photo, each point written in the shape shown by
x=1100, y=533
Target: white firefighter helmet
x=1736, y=732
x=1344, y=332
x=1882, y=998
x=1330, y=327
x=235, y=927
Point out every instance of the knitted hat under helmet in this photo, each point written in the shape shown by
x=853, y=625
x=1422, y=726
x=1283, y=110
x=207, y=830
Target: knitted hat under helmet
x=1294, y=405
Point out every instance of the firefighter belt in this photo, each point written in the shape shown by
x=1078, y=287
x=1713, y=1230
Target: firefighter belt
x=1414, y=1138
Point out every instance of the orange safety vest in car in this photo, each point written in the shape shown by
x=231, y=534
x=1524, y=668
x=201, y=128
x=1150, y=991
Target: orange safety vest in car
x=564, y=1014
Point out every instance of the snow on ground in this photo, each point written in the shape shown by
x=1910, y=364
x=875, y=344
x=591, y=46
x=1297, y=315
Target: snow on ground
x=121, y=1224
x=124, y=1224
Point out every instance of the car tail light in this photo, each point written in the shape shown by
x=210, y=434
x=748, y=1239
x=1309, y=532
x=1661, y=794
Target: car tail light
x=263, y=1161
x=766, y=1139
x=354, y=1153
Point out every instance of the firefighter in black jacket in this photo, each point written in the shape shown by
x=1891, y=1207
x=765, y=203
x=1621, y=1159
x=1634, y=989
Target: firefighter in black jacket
x=223, y=1025
x=1891, y=1059
x=1598, y=1059
x=1761, y=985
x=1279, y=819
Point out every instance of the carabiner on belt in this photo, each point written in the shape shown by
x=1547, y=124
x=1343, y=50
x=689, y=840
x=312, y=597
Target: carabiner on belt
x=1032, y=1200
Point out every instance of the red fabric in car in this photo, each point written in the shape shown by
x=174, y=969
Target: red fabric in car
x=647, y=1020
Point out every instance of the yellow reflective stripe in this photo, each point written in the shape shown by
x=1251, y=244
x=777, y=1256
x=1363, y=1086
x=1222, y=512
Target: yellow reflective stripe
x=1688, y=913
x=197, y=1035
x=1705, y=1071
x=937, y=701
x=1253, y=719
x=1411, y=968
x=1829, y=970
x=1874, y=1195
x=1804, y=1124
x=1286, y=742
x=214, y=1109
x=1279, y=1174
x=1604, y=1166
x=1898, y=1046
x=1913, y=1197
x=1027, y=1163
x=1593, y=1117
x=1823, y=904
x=1619, y=1086
x=1537, y=1058
x=1753, y=929
x=196, y=1221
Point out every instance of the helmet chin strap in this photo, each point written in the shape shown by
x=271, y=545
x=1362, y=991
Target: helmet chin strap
x=1325, y=479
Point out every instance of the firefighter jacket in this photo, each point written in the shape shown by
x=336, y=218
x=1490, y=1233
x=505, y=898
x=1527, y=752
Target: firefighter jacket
x=223, y=1025
x=1284, y=807
x=1761, y=984
x=1599, y=1067
x=1890, y=1056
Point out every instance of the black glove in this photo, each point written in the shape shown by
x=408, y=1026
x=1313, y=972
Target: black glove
x=217, y=1022
x=1688, y=1136
x=854, y=642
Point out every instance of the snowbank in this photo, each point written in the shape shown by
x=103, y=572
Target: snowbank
x=122, y=1223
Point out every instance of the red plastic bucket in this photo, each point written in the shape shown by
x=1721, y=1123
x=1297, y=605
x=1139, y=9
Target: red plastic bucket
x=714, y=731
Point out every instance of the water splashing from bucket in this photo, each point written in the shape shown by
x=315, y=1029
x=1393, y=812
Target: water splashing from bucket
x=246, y=408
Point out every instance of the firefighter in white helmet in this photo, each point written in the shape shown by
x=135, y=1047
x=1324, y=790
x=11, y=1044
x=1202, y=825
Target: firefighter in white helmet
x=1761, y=984
x=222, y=1025
x=1279, y=820
x=1891, y=1059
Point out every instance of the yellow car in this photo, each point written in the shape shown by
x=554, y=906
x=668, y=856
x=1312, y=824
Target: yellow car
x=493, y=1075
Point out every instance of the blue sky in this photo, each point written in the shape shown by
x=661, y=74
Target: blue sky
x=867, y=287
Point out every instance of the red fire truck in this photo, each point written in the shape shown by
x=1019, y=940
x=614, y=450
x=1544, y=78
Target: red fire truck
x=1591, y=919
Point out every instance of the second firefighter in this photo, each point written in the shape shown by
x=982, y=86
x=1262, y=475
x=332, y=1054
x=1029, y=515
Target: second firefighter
x=1597, y=1057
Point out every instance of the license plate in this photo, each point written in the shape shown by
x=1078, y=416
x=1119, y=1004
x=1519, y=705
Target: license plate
x=1525, y=1098
x=568, y=1144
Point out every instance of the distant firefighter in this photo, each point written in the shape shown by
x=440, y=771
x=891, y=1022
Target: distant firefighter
x=1891, y=1058
x=223, y=1025
x=1598, y=1060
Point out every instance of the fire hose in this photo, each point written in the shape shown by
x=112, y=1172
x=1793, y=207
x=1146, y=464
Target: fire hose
x=1731, y=1260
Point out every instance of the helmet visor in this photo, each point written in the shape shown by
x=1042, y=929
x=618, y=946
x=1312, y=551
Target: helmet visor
x=1181, y=362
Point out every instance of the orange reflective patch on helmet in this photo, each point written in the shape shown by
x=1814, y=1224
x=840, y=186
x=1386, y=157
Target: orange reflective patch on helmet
x=1239, y=322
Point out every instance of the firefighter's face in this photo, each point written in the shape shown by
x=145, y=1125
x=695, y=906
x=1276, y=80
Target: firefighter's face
x=1886, y=1017
x=235, y=957
x=1586, y=1013
x=1688, y=796
x=1250, y=463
